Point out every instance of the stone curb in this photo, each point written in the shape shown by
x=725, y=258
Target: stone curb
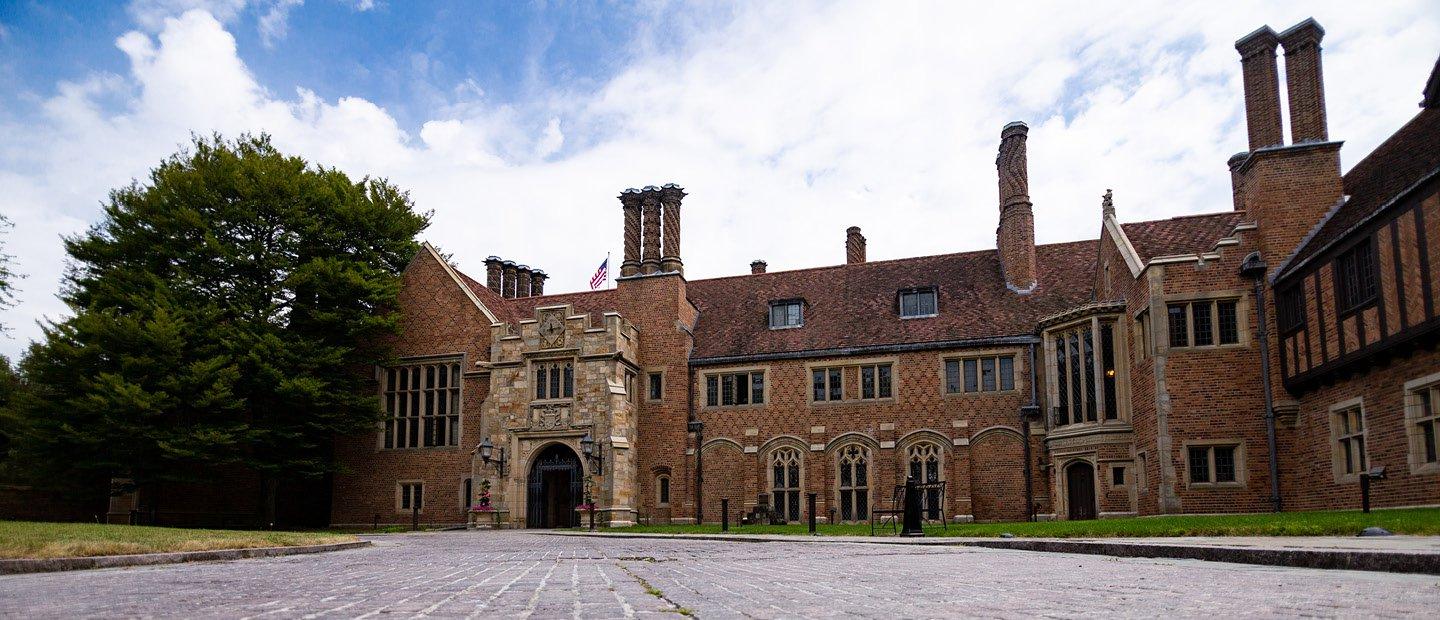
x=1336, y=559
x=47, y=565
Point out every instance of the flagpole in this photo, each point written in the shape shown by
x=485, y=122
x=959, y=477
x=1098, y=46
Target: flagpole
x=607, y=270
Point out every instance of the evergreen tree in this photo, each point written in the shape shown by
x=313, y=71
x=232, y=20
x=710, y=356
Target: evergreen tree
x=225, y=314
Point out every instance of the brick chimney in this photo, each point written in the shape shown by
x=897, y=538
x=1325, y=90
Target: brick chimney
x=507, y=284
x=492, y=273
x=650, y=228
x=537, y=283
x=670, y=197
x=1015, y=237
x=630, y=205
x=854, y=246
x=757, y=266
x=1304, y=83
x=522, y=280
x=1237, y=179
x=1262, y=87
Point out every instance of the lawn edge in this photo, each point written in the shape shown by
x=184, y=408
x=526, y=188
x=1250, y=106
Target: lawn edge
x=20, y=566
x=1330, y=559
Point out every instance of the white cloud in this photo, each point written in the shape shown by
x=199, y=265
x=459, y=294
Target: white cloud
x=151, y=14
x=786, y=125
x=274, y=23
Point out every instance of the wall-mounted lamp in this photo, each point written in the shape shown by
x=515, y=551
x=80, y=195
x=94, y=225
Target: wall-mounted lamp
x=487, y=455
x=594, y=453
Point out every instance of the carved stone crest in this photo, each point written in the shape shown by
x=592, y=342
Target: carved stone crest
x=552, y=331
x=550, y=417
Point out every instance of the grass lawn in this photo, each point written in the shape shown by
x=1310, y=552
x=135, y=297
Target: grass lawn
x=1324, y=523
x=30, y=539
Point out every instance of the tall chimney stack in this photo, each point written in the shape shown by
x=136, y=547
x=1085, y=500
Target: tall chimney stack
x=854, y=246
x=670, y=197
x=1237, y=180
x=650, y=230
x=1015, y=237
x=1304, y=83
x=630, y=204
x=1262, y=87
x=492, y=273
x=757, y=266
x=522, y=280
x=508, y=268
x=537, y=283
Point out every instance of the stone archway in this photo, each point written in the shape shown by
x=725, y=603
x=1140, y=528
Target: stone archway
x=555, y=486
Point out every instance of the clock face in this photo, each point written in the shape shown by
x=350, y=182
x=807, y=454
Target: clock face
x=552, y=332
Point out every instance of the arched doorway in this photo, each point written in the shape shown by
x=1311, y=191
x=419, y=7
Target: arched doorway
x=1080, y=490
x=555, y=488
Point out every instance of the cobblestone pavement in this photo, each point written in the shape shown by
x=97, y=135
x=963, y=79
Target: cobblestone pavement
x=533, y=575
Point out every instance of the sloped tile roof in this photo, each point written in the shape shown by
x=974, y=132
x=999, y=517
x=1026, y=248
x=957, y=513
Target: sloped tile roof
x=1409, y=155
x=1189, y=234
x=855, y=305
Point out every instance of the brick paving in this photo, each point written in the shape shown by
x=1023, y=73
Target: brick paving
x=531, y=575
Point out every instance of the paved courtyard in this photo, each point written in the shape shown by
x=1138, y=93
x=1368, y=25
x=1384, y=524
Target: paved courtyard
x=534, y=575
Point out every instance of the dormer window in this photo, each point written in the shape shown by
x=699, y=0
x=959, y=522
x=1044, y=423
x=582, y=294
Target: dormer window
x=787, y=313
x=917, y=303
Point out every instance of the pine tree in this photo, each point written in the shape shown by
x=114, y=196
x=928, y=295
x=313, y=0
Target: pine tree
x=225, y=314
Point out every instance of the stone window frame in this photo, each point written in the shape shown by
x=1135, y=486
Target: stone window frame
x=1122, y=470
x=532, y=378
x=1241, y=475
x=799, y=303
x=1120, y=356
x=467, y=502
x=1416, y=418
x=1343, y=435
x=798, y=480
x=719, y=373
x=663, y=490
x=1242, y=324
x=651, y=384
x=868, y=455
x=400, y=495
x=900, y=301
x=1016, y=364
x=1143, y=333
x=1141, y=479
x=848, y=368
x=456, y=409
x=917, y=448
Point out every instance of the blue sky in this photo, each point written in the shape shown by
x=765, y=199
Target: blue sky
x=518, y=123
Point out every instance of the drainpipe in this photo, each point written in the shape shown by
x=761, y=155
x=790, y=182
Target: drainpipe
x=1026, y=412
x=1255, y=267
x=694, y=425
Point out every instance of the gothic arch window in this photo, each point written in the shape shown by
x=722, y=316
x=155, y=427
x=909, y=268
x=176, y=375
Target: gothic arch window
x=927, y=465
x=785, y=483
x=854, y=483
x=554, y=380
x=662, y=490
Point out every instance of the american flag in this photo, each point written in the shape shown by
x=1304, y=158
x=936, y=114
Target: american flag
x=601, y=274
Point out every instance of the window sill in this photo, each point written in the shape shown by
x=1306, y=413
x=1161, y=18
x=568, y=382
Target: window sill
x=419, y=448
x=1214, y=486
x=779, y=327
x=919, y=316
x=982, y=393
x=732, y=407
x=552, y=401
x=1424, y=469
x=853, y=401
x=1209, y=348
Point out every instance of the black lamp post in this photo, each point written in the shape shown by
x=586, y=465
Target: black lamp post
x=487, y=455
x=594, y=453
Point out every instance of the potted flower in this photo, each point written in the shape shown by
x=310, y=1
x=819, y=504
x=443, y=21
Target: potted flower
x=482, y=505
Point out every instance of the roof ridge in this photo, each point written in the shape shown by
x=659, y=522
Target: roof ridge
x=1185, y=217
x=878, y=262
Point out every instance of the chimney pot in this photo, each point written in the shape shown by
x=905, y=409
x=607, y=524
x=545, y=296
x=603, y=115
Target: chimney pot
x=757, y=266
x=537, y=283
x=1015, y=236
x=854, y=246
x=650, y=229
x=522, y=280
x=1262, y=87
x=508, y=285
x=492, y=273
x=670, y=197
x=1304, y=81
x=630, y=204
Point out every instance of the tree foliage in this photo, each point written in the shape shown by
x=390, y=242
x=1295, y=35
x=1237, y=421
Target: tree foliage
x=225, y=313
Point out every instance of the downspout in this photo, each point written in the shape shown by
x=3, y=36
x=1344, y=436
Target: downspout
x=695, y=425
x=1255, y=267
x=1026, y=413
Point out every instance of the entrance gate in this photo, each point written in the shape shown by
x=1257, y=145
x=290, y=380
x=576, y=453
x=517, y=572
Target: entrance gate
x=1080, y=484
x=554, y=488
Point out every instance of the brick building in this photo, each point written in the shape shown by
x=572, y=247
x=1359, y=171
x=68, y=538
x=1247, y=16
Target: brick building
x=1259, y=357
